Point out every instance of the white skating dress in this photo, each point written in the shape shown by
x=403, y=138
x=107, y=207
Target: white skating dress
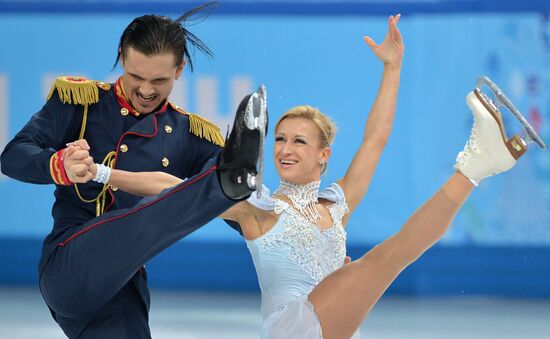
x=291, y=259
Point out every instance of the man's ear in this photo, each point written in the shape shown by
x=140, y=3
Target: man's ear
x=121, y=57
x=180, y=68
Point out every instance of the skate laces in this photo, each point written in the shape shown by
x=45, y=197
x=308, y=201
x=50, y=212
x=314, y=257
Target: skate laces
x=470, y=149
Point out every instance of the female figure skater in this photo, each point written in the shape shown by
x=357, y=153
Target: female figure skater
x=297, y=236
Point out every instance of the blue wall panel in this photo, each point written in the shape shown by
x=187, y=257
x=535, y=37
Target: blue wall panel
x=221, y=266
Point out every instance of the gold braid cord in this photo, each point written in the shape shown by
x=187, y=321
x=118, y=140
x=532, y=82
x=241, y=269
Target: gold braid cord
x=75, y=90
x=101, y=198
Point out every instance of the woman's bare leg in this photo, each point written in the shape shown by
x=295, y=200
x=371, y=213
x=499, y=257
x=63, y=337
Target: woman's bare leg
x=343, y=300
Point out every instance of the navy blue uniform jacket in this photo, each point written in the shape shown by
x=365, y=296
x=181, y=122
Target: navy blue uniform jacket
x=159, y=141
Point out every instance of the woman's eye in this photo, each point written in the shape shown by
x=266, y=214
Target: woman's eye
x=300, y=141
x=278, y=139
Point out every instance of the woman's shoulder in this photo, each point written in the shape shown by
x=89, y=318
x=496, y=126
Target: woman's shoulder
x=333, y=193
x=261, y=217
x=262, y=199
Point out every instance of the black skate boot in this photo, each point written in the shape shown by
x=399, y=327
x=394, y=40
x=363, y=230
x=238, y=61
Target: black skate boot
x=240, y=167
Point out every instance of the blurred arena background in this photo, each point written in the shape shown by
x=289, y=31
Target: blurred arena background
x=311, y=52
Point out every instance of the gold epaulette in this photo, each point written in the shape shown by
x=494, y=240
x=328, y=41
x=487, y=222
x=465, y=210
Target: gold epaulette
x=78, y=90
x=202, y=127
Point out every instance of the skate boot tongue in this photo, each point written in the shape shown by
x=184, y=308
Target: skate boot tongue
x=237, y=168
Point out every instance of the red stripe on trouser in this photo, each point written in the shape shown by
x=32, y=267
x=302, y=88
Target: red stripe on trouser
x=194, y=180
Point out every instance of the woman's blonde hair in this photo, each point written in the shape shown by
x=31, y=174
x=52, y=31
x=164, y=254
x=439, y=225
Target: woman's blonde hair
x=327, y=128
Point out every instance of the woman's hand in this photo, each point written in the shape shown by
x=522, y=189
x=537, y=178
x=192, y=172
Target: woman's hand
x=390, y=51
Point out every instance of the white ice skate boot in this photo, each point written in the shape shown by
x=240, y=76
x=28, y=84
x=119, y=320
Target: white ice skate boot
x=489, y=151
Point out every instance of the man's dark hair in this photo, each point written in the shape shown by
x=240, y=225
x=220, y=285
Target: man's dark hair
x=156, y=34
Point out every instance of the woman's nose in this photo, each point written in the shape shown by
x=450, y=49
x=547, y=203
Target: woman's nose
x=287, y=148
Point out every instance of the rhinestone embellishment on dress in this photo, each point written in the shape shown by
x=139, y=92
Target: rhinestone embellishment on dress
x=317, y=252
x=303, y=197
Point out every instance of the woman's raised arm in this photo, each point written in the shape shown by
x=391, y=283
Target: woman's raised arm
x=379, y=123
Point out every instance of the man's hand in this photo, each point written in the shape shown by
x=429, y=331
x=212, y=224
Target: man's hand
x=77, y=162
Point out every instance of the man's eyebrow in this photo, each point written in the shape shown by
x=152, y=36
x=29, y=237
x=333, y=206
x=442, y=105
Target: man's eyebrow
x=141, y=78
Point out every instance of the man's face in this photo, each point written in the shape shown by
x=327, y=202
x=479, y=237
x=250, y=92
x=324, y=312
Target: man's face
x=148, y=80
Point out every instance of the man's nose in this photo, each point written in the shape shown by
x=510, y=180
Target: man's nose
x=146, y=89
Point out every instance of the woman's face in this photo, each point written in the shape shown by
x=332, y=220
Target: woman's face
x=297, y=152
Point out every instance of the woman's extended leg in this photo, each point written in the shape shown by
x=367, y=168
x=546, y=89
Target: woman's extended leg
x=343, y=299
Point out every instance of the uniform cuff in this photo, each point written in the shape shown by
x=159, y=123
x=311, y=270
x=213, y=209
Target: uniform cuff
x=57, y=170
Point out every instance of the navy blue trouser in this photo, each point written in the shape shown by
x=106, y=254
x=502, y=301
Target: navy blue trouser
x=92, y=277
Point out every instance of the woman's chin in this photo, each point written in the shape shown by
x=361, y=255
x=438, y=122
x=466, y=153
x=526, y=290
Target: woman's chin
x=286, y=177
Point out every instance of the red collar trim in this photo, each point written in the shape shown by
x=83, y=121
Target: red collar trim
x=123, y=102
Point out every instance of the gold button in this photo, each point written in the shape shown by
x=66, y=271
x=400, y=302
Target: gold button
x=103, y=85
x=168, y=129
x=165, y=162
x=114, y=188
x=123, y=148
x=124, y=111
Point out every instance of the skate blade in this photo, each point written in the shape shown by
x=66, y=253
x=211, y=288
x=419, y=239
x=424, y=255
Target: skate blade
x=256, y=118
x=501, y=100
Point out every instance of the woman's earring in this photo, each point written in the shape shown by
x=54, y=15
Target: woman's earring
x=322, y=162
